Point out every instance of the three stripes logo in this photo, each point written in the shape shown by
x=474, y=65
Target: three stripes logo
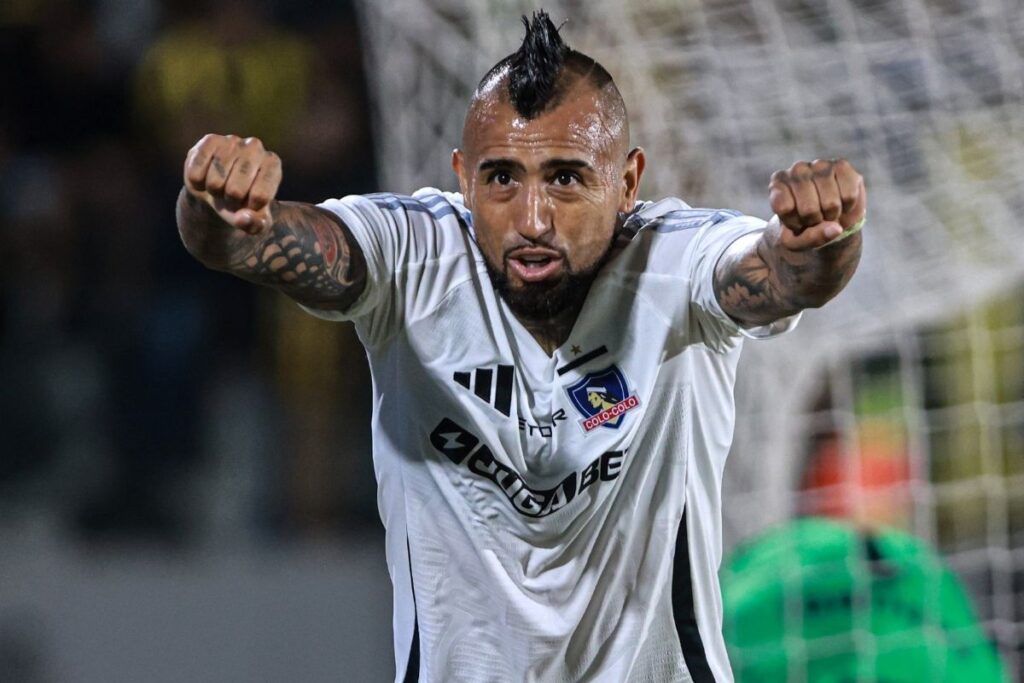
x=491, y=385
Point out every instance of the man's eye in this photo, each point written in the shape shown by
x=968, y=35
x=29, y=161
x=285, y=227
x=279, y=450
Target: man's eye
x=501, y=177
x=565, y=178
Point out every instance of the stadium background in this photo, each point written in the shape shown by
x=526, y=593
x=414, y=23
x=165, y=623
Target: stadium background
x=186, y=491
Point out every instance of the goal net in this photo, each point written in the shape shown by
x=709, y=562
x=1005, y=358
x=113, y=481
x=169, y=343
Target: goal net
x=899, y=405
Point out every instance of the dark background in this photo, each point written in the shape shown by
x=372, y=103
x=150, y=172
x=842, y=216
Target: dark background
x=117, y=349
x=186, y=485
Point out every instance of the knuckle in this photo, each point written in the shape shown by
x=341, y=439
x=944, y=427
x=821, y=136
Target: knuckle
x=810, y=215
x=800, y=172
x=781, y=202
x=215, y=180
x=822, y=167
x=846, y=169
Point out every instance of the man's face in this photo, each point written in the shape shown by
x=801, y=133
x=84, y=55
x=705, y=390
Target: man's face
x=545, y=195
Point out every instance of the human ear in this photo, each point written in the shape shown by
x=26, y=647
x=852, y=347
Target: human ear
x=635, y=163
x=459, y=166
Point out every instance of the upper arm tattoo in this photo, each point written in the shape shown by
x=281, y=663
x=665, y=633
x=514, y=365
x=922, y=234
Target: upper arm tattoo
x=309, y=254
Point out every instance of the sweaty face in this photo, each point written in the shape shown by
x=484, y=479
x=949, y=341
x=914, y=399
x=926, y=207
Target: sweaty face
x=545, y=195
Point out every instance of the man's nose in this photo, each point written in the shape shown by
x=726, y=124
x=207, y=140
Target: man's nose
x=535, y=216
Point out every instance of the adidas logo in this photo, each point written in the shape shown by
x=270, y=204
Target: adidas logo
x=491, y=385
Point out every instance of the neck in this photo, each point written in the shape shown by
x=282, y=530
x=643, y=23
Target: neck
x=552, y=332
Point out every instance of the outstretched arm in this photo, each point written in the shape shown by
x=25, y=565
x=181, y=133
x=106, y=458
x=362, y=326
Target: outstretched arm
x=229, y=220
x=807, y=254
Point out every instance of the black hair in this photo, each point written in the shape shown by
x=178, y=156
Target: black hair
x=536, y=71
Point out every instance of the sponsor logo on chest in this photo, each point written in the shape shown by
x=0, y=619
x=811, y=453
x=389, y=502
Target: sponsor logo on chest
x=465, y=449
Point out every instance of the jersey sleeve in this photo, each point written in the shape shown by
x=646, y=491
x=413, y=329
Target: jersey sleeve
x=707, y=319
x=411, y=245
x=685, y=245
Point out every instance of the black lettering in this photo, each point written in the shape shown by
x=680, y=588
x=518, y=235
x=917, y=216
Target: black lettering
x=457, y=444
x=611, y=465
x=525, y=502
x=483, y=463
x=511, y=483
x=590, y=474
x=561, y=495
x=546, y=431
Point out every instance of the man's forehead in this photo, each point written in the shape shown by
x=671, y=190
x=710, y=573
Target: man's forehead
x=580, y=120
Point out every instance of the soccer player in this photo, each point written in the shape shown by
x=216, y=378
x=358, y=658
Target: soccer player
x=553, y=364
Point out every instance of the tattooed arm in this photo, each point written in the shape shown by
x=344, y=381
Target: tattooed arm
x=807, y=254
x=229, y=220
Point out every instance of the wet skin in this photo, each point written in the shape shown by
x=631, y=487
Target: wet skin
x=546, y=193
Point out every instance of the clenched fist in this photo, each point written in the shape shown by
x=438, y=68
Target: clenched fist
x=235, y=176
x=816, y=201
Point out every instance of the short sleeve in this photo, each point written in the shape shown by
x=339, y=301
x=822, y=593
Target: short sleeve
x=406, y=242
x=714, y=326
x=377, y=232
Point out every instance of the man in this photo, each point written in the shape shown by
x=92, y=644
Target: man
x=553, y=366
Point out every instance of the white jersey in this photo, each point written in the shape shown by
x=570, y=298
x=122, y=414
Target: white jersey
x=549, y=518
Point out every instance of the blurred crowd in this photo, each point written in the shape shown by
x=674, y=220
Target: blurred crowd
x=145, y=397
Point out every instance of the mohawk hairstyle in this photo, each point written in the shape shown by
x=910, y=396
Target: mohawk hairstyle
x=536, y=71
x=534, y=68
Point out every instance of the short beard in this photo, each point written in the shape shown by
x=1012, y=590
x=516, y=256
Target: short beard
x=545, y=301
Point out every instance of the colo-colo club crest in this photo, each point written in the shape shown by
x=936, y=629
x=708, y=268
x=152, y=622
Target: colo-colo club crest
x=603, y=398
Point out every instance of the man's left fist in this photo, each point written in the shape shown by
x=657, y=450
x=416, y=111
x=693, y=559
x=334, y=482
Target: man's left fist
x=816, y=201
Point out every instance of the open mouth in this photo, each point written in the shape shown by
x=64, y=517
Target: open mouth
x=535, y=265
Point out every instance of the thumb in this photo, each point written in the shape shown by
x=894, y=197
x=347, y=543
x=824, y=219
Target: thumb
x=812, y=237
x=250, y=220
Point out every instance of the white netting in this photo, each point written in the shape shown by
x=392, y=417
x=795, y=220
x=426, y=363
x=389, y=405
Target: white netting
x=927, y=99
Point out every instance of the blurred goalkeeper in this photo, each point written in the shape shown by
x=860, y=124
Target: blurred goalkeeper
x=553, y=363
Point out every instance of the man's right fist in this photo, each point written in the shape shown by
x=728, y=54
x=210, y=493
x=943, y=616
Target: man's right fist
x=235, y=176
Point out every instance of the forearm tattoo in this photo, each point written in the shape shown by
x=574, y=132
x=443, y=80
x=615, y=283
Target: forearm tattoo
x=760, y=281
x=307, y=253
